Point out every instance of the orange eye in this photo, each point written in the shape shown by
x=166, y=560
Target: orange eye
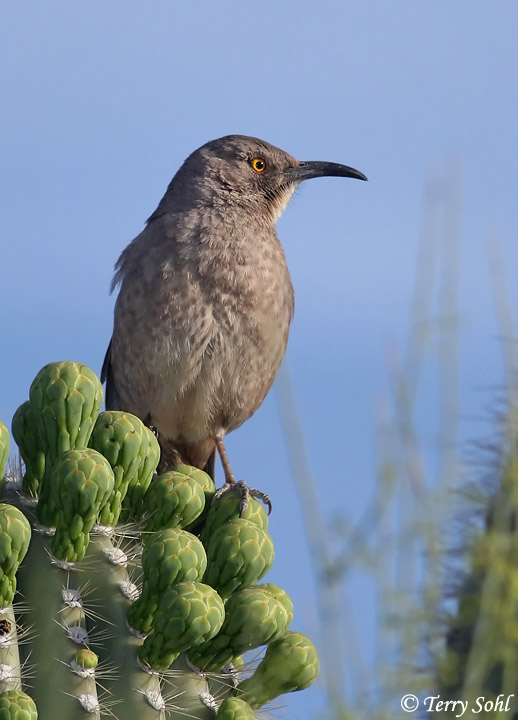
x=258, y=164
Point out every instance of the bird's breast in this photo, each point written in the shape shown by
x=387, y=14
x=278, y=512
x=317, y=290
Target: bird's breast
x=213, y=324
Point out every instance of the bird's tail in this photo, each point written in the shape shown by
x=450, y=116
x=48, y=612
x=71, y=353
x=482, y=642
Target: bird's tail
x=111, y=399
x=210, y=466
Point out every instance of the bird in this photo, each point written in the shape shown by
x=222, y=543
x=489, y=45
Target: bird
x=205, y=301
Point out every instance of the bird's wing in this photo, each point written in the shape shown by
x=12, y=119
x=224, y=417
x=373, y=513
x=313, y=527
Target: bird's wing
x=111, y=397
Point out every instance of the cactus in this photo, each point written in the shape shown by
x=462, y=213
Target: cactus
x=239, y=553
x=4, y=448
x=15, y=535
x=481, y=654
x=82, y=485
x=168, y=557
x=16, y=705
x=175, y=500
x=189, y=614
x=138, y=595
x=228, y=508
x=128, y=447
x=254, y=616
x=235, y=709
x=290, y=663
x=65, y=399
x=24, y=432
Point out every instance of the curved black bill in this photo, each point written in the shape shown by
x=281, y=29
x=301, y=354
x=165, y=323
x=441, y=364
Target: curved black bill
x=316, y=168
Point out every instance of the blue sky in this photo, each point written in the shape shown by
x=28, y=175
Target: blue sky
x=102, y=101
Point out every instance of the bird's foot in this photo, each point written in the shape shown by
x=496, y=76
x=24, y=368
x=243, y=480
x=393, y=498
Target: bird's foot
x=246, y=492
x=231, y=484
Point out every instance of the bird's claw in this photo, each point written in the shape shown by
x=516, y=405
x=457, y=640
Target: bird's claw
x=246, y=492
x=264, y=497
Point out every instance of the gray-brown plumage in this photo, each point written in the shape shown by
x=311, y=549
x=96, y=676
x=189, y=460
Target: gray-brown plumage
x=205, y=302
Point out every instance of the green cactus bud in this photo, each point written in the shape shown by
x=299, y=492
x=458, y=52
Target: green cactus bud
x=132, y=505
x=4, y=449
x=121, y=438
x=207, y=483
x=86, y=659
x=189, y=614
x=235, y=709
x=24, y=432
x=227, y=508
x=82, y=484
x=65, y=400
x=289, y=664
x=254, y=616
x=173, y=500
x=169, y=557
x=15, y=536
x=238, y=554
x=16, y=705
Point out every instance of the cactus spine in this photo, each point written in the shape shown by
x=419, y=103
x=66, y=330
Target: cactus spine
x=139, y=596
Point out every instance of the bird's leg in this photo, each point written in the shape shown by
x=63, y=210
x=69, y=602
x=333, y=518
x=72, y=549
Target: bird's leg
x=231, y=484
x=220, y=447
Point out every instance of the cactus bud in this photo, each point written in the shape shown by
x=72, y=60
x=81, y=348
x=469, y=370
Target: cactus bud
x=15, y=536
x=16, y=705
x=235, y=709
x=4, y=449
x=169, y=557
x=174, y=500
x=65, y=400
x=82, y=485
x=24, y=432
x=124, y=441
x=227, y=508
x=189, y=614
x=289, y=664
x=238, y=554
x=254, y=616
x=139, y=483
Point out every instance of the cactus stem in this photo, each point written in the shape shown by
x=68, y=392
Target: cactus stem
x=116, y=556
x=111, y=560
x=65, y=565
x=81, y=671
x=10, y=668
x=89, y=703
x=155, y=699
x=129, y=590
x=209, y=701
x=192, y=694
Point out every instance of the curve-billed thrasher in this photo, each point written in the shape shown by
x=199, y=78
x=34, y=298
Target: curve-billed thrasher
x=205, y=302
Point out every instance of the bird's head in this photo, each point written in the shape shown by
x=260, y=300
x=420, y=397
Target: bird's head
x=242, y=171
